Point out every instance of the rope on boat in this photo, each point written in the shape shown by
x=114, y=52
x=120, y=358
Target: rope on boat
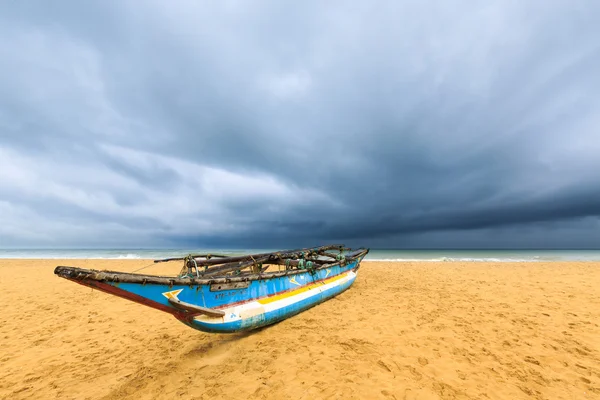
x=256, y=267
x=307, y=265
x=196, y=266
x=144, y=267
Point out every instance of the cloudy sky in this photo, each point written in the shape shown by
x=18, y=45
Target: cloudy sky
x=400, y=124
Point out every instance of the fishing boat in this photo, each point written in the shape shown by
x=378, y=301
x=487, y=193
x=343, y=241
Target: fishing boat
x=218, y=293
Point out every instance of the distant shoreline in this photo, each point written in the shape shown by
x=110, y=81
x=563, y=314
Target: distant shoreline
x=374, y=255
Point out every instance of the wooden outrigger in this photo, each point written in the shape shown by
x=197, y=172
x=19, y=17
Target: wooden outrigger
x=216, y=293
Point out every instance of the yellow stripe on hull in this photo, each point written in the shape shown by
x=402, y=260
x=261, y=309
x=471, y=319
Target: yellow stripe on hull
x=300, y=290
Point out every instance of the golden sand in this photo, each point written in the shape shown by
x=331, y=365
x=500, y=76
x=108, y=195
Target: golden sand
x=403, y=331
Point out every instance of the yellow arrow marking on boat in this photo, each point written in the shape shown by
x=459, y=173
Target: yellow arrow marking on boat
x=328, y=272
x=172, y=293
x=293, y=280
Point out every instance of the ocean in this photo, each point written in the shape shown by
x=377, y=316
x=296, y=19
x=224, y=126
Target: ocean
x=374, y=254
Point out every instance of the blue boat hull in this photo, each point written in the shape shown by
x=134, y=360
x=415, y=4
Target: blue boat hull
x=261, y=302
x=273, y=316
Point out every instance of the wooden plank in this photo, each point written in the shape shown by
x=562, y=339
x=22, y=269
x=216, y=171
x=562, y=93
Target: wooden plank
x=194, y=309
x=229, y=286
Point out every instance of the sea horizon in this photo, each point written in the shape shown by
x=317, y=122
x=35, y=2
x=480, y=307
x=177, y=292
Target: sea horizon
x=490, y=255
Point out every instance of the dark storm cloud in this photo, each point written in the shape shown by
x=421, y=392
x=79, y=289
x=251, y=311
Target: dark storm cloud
x=392, y=124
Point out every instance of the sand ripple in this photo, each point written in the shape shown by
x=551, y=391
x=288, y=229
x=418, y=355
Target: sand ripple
x=403, y=331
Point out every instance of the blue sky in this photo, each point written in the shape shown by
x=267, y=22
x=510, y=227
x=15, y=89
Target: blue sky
x=264, y=124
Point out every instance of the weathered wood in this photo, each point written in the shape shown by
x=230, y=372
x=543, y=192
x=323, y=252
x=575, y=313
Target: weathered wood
x=238, y=263
x=228, y=286
x=82, y=274
x=194, y=309
x=207, y=256
x=355, y=254
x=334, y=256
x=234, y=266
x=276, y=254
x=294, y=263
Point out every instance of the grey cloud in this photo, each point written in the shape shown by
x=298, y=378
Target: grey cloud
x=387, y=124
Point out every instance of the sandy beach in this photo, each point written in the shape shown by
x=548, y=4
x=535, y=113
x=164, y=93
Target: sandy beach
x=421, y=330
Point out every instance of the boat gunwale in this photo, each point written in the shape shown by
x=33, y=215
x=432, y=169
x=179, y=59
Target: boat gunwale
x=84, y=274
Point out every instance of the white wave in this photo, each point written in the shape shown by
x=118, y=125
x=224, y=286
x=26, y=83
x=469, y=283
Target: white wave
x=128, y=257
x=68, y=256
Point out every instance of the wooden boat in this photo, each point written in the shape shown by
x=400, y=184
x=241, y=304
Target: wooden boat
x=216, y=293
